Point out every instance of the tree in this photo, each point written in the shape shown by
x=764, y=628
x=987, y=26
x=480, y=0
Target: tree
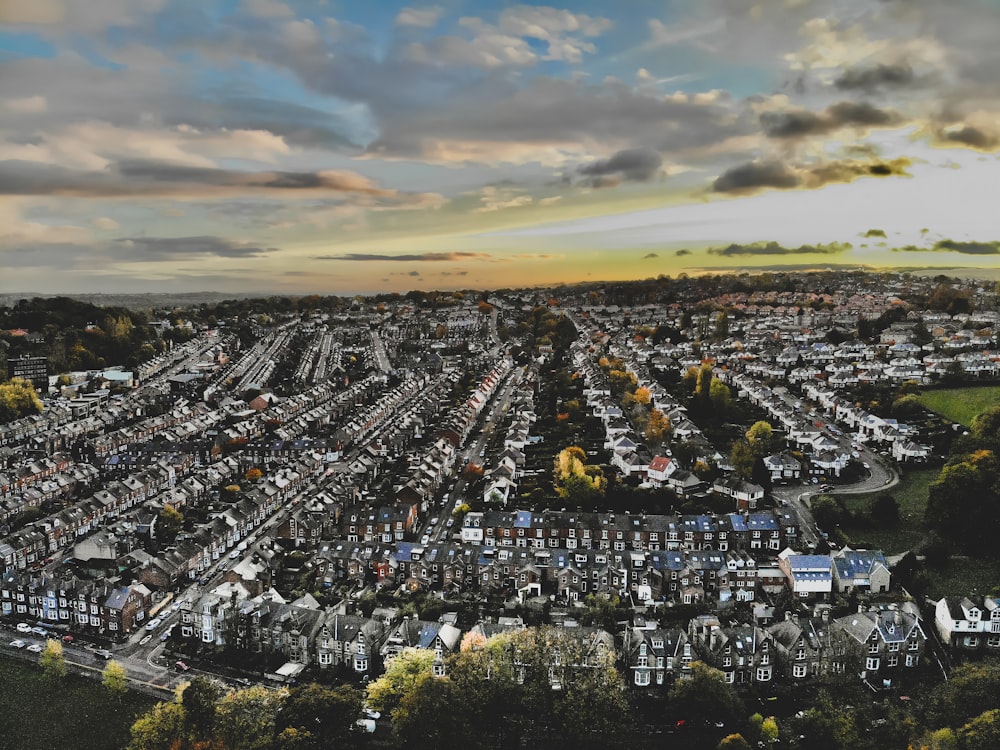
x=114, y=678
x=170, y=522
x=401, y=674
x=885, y=510
x=253, y=474
x=720, y=397
x=18, y=399
x=162, y=728
x=971, y=691
x=734, y=742
x=827, y=511
x=658, y=428
x=742, y=459
x=52, y=659
x=199, y=698
x=245, y=719
x=575, y=480
x=760, y=437
x=982, y=733
x=327, y=714
x=706, y=697
x=426, y=716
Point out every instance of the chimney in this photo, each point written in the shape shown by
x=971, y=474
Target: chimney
x=825, y=614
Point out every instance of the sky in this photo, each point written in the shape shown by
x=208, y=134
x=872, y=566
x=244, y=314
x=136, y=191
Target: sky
x=354, y=146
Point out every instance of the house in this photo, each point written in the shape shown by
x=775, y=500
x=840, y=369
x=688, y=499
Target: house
x=864, y=571
x=660, y=469
x=966, y=624
x=808, y=646
x=883, y=643
x=809, y=576
x=783, y=467
x=745, y=654
x=657, y=657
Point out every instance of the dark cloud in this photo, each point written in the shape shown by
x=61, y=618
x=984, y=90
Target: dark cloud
x=968, y=135
x=881, y=75
x=955, y=246
x=682, y=253
x=131, y=178
x=165, y=247
x=632, y=165
x=648, y=256
x=848, y=170
x=773, y=248
x=874, y=233
x=800, y=123
x=756, y=175
x=417, y=257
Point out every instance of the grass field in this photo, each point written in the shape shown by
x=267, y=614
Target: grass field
x=911, y=494
x=964, y=576
x=961, y=405
x=74, y=712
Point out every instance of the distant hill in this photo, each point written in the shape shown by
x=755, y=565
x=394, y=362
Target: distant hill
x=137, y=301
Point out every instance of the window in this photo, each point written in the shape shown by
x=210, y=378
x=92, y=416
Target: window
x=872, y=648
x=892, y=660
x=914, y=646
x=911, y=660
x=642, y=678
x=871, y=664
x=439, y=669
x=799, y=670
x=763, y=674
x=730, y=677
x=894, y=646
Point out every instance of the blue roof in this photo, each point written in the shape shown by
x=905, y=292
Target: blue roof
x=806, y=562
x=523, y=519
x=737, y=522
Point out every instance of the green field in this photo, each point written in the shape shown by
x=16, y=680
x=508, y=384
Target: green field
x=73, y=712
x=961, y=405
x=911, y=494
x=964, y=576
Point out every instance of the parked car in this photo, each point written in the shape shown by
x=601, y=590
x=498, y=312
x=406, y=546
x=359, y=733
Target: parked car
x=39, y=631
x=154, y=623
x=35, y=648
x=67, y=638
x=23, y=627
x=103, y=653
x=18, y=644
x=181, y=666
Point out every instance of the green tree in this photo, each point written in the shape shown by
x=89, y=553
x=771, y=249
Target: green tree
x=827, y=511
x=327, y=714
x=426, y=716
x=720, y=397
x=170, y=521
x=114, y=678
x=245, y=719
x=982, y=733
x=706, y=697
x=760, y=437
x=575, y=480
x=742, y=459
x=971, y=691
x=162, y=728
x=52, y=659
x=18, y=399
x=734, y=742
x=401, y=674
x=199, y=698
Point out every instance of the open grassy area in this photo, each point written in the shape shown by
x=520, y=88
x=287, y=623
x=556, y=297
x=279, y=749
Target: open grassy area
x=74, y=712
x=964, y=576
x=961, y=405
x=911, y=494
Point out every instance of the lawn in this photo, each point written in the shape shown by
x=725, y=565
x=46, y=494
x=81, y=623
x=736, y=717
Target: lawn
x=74, y=712
x=963, y=576
x=911, y=495
x=961, y=405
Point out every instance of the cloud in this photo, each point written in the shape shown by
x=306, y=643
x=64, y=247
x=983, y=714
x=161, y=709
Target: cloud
x=27, y=105
x=991, y=247
x=423, y=18
x=874, y=233
x=969, y=135
x=647, y=256
x=773, y=248
x=168, y=247
x=631, y=165
x=142, y=178
x=800, y=123
x=756, y=175
x=760, y=175
x=881, y=75
x=450, y=257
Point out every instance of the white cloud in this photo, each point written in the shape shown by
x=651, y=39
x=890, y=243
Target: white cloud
x=423, y=18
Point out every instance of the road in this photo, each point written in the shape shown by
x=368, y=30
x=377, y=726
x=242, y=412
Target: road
x=880, y=477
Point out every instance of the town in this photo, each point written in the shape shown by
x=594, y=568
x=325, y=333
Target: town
x=658, y=473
